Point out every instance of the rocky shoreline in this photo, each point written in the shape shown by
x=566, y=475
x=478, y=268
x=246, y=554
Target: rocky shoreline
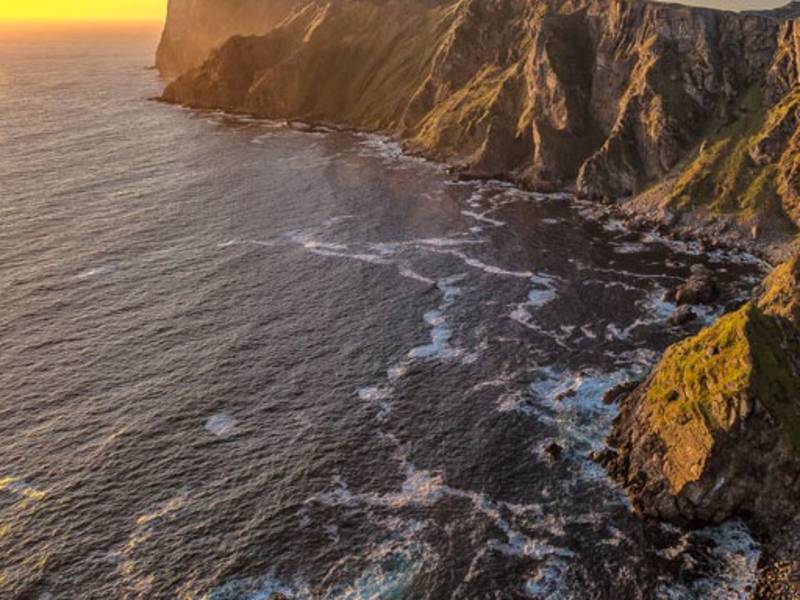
x=685, y=117
x=779, y=569
x=680, y=120
x=714, y=431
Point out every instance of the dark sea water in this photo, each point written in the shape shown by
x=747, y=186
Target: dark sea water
x=239, y=359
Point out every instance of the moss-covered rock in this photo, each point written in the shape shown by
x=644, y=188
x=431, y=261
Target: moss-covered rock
x=715, y=429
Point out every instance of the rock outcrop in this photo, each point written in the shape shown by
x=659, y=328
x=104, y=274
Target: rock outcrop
x=714, y=431
x=687, y=110
x=700, y=288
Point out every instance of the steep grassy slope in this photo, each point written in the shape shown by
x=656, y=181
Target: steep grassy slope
x=715, y=430
x=744, y=168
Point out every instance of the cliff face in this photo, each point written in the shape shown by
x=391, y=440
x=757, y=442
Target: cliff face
x=613, y=98
x=195, y=27
x=715, y=430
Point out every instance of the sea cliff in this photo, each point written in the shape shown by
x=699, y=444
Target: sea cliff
x=688, y=116
x=714, y=432
x=195, y=27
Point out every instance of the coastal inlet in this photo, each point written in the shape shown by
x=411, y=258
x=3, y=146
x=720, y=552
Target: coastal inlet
x=242, y=361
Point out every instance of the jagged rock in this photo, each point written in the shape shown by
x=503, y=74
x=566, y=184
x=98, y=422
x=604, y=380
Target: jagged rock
x=700, y=288
x=715, y=429
x=195, y=27
x=554, y=451
x=619, y=391
x=605, y=457
x=682, y=316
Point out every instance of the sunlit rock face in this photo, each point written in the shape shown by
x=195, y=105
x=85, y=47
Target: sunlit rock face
x=692, y=110
x=195, y=27
x=715, y=430
x=603, y=95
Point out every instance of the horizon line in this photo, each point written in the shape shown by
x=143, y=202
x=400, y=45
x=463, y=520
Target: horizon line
x=122, y=20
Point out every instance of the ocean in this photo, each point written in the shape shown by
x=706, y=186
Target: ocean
x=244, y=360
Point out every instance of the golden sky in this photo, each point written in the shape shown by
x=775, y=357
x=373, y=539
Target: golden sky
x=82, y=10
x=127, y=10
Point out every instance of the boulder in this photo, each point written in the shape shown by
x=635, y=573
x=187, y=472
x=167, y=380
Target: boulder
x=682, y=316
x=700, y=288
x=554, y=451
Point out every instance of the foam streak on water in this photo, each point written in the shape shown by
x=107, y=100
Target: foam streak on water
x=243, y=359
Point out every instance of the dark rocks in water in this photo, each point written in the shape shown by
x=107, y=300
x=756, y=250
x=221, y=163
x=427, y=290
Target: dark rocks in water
x=570, y=393
x=682, y=316
x=700, y=288
x=555, y=451
x=619, y=391
x=637, y=223
x=605, y=457
x=669, y=218
x=714, y=432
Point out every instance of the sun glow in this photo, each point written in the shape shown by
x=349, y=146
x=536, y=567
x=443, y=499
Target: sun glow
x=82, y=10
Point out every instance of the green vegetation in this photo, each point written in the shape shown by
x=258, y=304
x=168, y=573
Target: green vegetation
x=386, y=49
x=721, y=172
x=467, y=113
x=705, y=386
x=697, y=378
x=547, y=93
x=775, y=382
x=724, y=177
x=780, y=296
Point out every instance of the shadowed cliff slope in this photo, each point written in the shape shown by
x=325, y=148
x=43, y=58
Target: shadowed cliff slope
x=689, y=110
x=195, y=27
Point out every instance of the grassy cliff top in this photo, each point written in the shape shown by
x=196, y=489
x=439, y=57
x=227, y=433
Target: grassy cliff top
x=705, y=387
